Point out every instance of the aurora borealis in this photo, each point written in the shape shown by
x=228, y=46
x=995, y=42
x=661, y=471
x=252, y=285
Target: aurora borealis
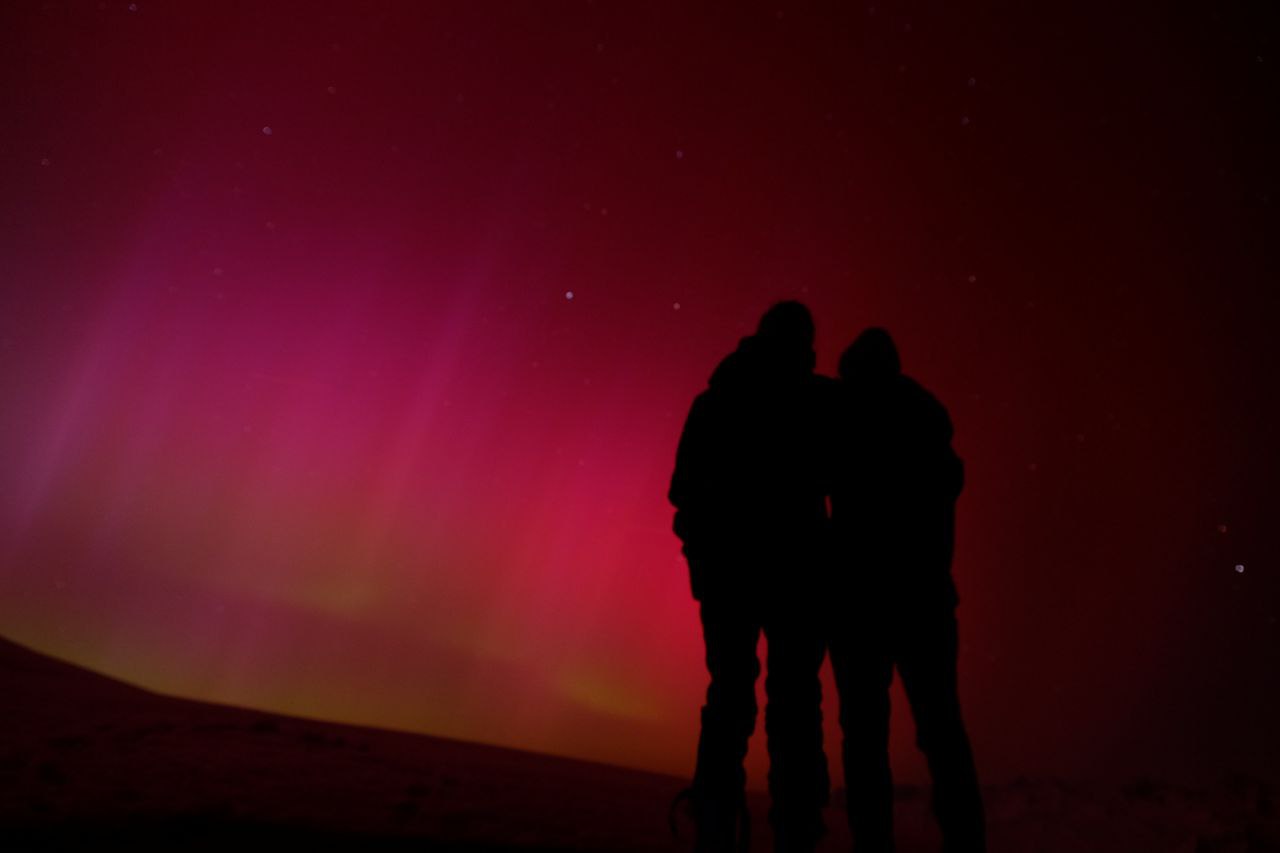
x=344, y=349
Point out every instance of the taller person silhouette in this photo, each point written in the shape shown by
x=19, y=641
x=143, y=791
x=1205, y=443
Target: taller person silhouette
x=750, y=510
x=893, y=523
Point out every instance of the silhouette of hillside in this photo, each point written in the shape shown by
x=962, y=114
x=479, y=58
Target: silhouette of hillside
x=87, y=758
x=88, y=761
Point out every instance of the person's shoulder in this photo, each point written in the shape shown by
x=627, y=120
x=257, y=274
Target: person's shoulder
x=715, y=397
x=735, y=367
x=705, y=399
x=925, y=404
x=917, y=393
x=726, y=371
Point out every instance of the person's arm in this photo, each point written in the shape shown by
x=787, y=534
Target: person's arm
x=954, y=480
x=689, y=486
x=950, y=471
x=691, y=494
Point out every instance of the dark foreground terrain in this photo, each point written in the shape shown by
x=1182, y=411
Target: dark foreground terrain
x=87, y=761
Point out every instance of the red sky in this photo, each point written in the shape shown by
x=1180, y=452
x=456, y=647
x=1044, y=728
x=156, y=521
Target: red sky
x=346, y=346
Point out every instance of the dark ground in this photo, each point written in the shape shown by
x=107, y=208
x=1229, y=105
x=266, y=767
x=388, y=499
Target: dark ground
x=86, y=760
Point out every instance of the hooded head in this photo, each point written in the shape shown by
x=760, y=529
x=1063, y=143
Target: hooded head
x=782, y=348
x=785, y=338
x=788, y=326
x=871, y=357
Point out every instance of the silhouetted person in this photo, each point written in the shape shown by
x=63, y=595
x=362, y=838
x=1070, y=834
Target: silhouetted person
x=893, y=523
x=750, y=510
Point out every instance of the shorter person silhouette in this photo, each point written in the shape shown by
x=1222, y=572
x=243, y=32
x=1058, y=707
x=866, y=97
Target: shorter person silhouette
x=893, y=526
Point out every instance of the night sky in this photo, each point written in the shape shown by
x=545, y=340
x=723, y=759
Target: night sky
x=344, y=349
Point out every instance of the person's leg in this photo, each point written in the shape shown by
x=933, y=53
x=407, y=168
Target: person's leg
x=863, y=669
x=799, y=784
x=927, y=664
x=730, y=631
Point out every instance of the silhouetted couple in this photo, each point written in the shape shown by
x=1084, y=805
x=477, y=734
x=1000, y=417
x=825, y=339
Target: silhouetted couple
x=764, y=448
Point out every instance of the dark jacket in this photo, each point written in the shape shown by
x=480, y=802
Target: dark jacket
x=749, y=484
x=893, y=499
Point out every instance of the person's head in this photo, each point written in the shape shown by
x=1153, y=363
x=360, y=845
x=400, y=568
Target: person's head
x=784, y=338
x=787, y=325
x=871, y=356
